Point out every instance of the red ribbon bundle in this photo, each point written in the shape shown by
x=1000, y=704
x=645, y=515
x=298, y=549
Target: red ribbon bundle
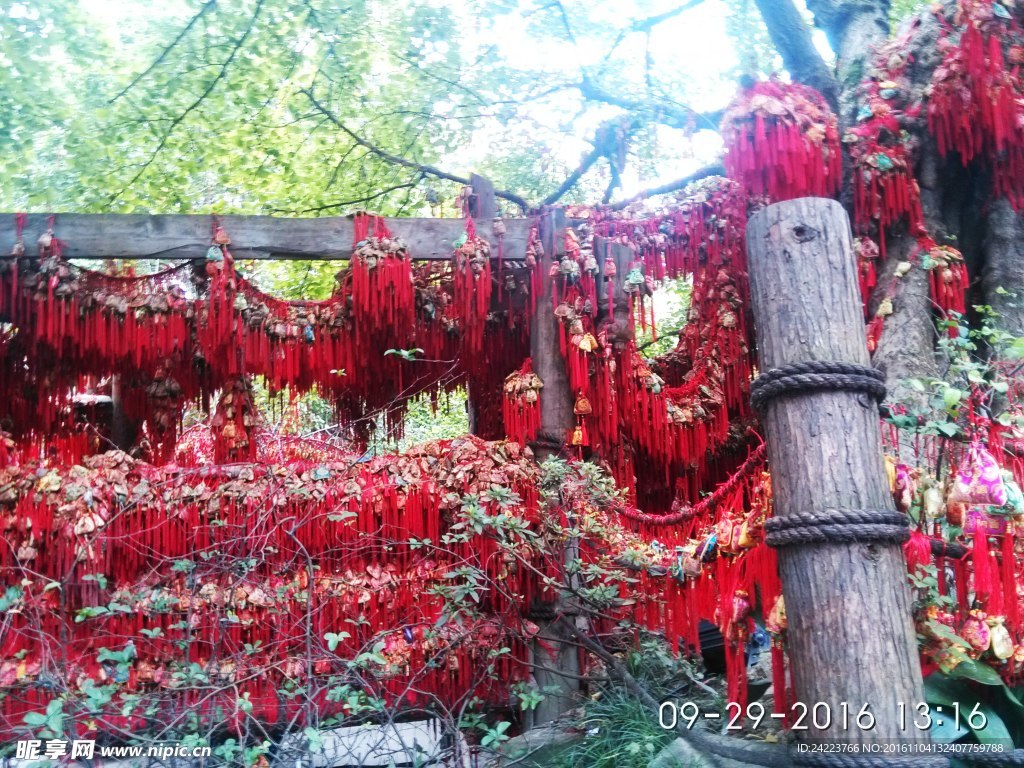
x=782, y=141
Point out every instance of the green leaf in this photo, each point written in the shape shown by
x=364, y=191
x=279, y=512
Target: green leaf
x=951, y=397
x=35, y=719
x=978, y=672
x=334, y=639
x=944, y=729
x=314, y=738
x=1015, y=349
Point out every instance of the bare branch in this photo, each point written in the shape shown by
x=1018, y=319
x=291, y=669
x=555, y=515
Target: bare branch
x=195, y=104
x=354, y=201
x=397, y=160
x=647, y=24
x=585, y=165
x=679, y=116
x=614, y=182
x=672, y=186
x=209, y=4
x=792, y=37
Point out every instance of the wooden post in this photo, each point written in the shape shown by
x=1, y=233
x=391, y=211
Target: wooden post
x=483, y=209
x=121, y=432
x=483, y=204
x=556, y=403
x=556, y=417
x=851, y=640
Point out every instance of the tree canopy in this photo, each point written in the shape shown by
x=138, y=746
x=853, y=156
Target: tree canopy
x=316, y=106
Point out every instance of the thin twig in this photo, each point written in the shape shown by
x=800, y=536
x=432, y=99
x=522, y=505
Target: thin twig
x=397, y=160
x=163, y=54
x=672, y=186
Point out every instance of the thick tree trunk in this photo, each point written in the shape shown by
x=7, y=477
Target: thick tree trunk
x=1002, y=274
x=906, y=348
x=851, y=643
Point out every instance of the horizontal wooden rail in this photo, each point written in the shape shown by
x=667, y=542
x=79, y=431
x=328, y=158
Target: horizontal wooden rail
x=174, y=237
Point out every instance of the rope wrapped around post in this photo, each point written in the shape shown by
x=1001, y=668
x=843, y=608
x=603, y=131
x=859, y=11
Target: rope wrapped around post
x=837, y=760
x=828, y=525
x=837, y=526
x=816, y=375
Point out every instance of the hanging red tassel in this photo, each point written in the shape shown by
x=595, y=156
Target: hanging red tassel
x=521, y=404
x=773, y=154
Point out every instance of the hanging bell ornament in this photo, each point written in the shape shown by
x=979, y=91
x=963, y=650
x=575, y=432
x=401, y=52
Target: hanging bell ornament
x=1017, y=661
x=976, y=632
x=510, y=283
x=45, y=240
x=582, y=407
x=18, y=249
x=220, y=237
x=609, y=268
x=776, y=622
x=588, y=343
x=1001, y=643
x=498, y=226
x=578, y=436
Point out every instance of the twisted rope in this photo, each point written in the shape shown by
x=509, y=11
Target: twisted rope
x=1014, y=757
x=837, y=526
x=815, y=375
x=845, y=760
x=709, y=502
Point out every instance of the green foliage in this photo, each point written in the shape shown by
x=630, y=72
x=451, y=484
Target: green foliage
x=671, y=306
x=264, y=106
x=990, y=712
x=620, y=733
x=426, y=420
x=974, y=378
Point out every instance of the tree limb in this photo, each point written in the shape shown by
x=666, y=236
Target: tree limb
x=649, y=23
x=792, y=37
x=195, y=104
x=674, y=117
x=672, y=186
x=396, y=160
x=585, y=165
x=209, y=4
x=614, y=182
x=355, y=201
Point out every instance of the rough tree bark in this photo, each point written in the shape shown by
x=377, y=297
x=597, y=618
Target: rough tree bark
x=557, y=418
x=849, y=641
x=852, y=28
x=1004, y=265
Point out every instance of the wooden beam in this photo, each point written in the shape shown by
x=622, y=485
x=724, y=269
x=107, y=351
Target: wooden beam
x=140, y=236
